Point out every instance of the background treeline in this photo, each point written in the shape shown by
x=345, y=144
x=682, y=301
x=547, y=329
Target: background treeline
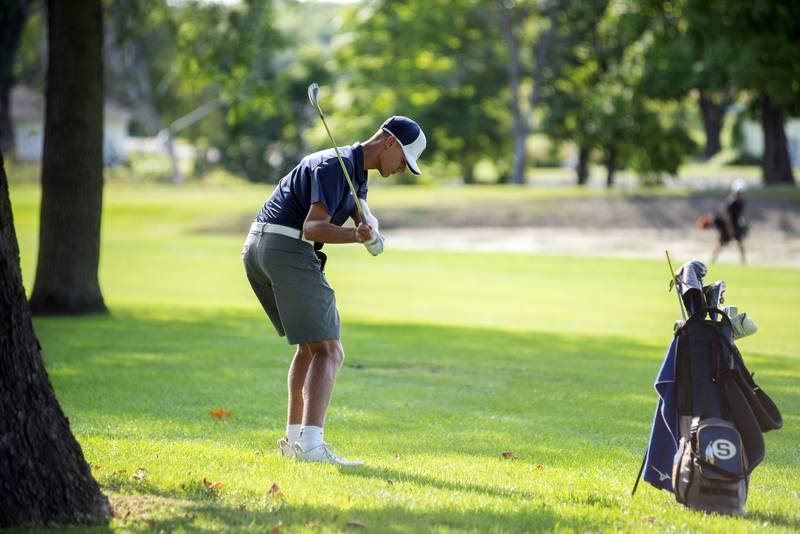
x=642, y=85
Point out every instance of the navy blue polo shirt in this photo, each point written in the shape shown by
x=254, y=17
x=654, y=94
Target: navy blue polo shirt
x=317, y=178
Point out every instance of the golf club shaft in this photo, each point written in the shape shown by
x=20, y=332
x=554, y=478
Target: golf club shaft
x=677, y=285
x=341, y=162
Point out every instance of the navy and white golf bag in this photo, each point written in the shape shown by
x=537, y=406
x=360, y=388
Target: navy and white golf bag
x=708, y=428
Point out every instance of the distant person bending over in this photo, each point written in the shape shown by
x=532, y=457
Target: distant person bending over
x=285, y=267
x=730, y=221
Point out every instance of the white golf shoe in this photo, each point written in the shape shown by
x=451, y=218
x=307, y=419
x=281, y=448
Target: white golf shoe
x=284, y=449
x=323, y=454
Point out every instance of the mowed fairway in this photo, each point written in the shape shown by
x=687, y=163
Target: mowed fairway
x=452, y=360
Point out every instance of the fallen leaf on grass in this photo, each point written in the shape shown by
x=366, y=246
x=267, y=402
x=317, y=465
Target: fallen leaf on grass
x=127, y=515
x=140, y=474
x=651, y=519
x=220, y=413
x=390, y=482
x=274, y=490
x=277, y=528
x=538, y=467
x=508, y=454
x=355, y=524
x=212, y=485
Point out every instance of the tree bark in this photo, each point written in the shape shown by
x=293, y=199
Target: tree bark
x=520, y=130
x=72, y=163
x=713, y=114
x=611, y=165
x=43, y=474
x=776, y=166
x=13, y=15
x=522, y=126
x=582, y=168
x=468, y=171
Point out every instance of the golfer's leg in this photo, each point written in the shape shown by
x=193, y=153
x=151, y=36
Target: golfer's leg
x=327, y=360
x=297, y=378
x=741, y=251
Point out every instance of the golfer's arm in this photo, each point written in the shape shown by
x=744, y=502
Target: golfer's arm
x=318, y=227
x=355, y=216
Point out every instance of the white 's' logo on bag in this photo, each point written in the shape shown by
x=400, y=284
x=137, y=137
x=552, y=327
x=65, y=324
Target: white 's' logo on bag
x=721, y=449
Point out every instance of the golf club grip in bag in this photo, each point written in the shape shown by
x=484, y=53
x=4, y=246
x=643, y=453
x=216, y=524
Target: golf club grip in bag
x=723, y=414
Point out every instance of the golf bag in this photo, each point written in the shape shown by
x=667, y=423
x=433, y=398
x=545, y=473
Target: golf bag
x=722, y=414
x=708, y=426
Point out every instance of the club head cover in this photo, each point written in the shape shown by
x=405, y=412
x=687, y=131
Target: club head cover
x=743, y=326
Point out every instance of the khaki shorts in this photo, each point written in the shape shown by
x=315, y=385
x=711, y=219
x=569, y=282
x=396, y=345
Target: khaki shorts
x=286, y=277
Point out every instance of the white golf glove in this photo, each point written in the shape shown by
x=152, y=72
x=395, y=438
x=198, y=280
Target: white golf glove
x=375, y=246
x=369, y=218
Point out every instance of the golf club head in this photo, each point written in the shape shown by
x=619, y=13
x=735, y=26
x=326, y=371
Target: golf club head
x=313, y=94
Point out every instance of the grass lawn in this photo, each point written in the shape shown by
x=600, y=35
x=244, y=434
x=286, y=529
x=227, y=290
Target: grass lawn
x=452, y=360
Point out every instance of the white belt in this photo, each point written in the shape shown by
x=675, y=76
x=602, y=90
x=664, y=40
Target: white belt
x=270, y=228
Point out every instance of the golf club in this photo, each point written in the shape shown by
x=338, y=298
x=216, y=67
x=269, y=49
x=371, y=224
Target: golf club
x=313, y=97
x=677, y=285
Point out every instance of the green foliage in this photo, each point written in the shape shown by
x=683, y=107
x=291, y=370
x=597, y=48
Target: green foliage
x=602, y=97
x=196, y=52
x=616, y=77
x=439, y=63
x=30, y=64
x=762, y=39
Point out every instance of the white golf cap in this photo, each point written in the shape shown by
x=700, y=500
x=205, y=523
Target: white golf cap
x=410, y=136
x=739, y=186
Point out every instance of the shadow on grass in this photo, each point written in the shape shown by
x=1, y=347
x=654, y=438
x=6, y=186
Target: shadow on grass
x=171, y=366
x=383, y=474
x=142, y=513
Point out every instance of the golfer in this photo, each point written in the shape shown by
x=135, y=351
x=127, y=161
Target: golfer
x=730, y=221
x=285, y=267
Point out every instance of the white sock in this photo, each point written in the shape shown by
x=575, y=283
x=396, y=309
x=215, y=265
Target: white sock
x=310, y=437
x=292, y=433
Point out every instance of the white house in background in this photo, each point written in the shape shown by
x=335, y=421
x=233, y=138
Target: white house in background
x=753, y=135
x=27, y=120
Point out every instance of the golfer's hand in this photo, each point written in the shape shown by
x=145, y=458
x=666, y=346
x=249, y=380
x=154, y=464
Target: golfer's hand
x=372, y=222
x=363, y=232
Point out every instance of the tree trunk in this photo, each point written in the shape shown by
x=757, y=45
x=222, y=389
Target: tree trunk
x=713, y=114
x=582, y=168
x=72, y=163
x=514, y=80
x=12, y=20
x=776, y=166
x=611, y=165
x=468, y=171
x=43, y=474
